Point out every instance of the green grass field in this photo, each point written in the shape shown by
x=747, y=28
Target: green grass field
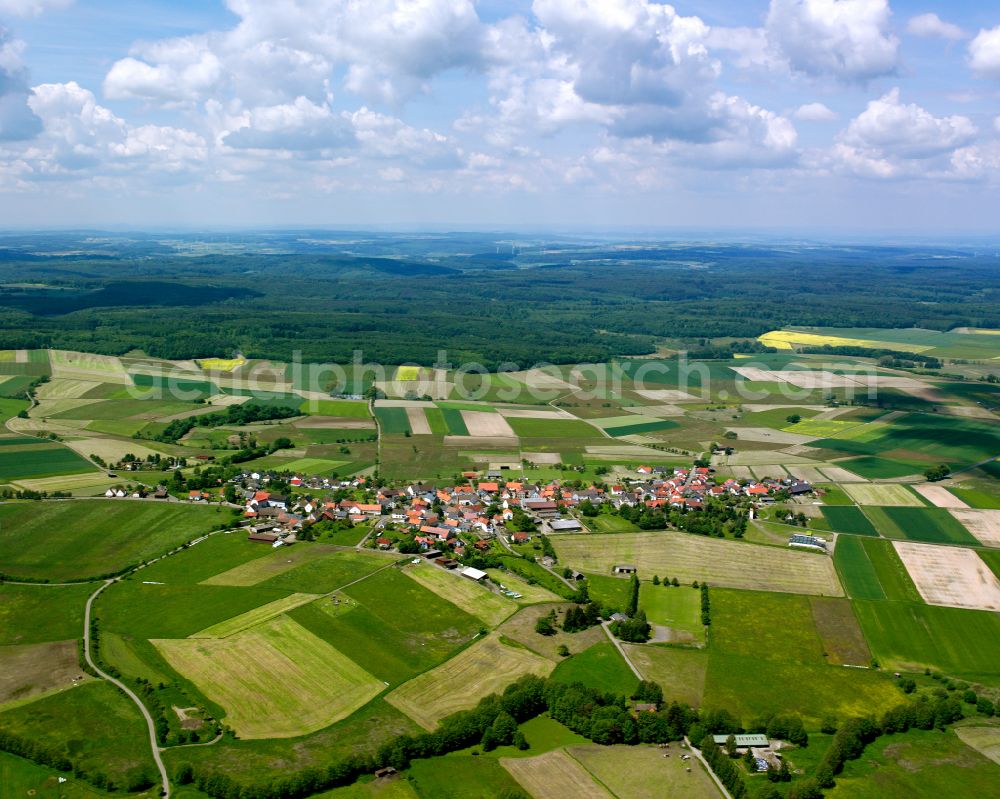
x=979, y=497
x=756, y=666
x=606, y=523
x=486, y=667
x=912, y=636
x=393, y=420
x=641, y=427
x=871, y=569
x=397, y=628
x=21, y=778
x=611, y=592
x=206, y=559
x=680, y=671
x=920, y=764
x=31, y=614
x=436, y=421
x=992, y=559
x=185, y=388
x=600, y=667
x=274, y=563
x=931, y=525
x=857, y=572
x=71, y=540
x=298, y=683
x=839, y=631
x=874, y=467
x=43, y=460
x=642, y=771
x=175, y=611
x=776, y=418
x=453, y=421
x=135, y=657
x=812, y=690
x=327, y=573
x=734, y=632
x=477, y=600
x=9, y=408
x=260, y=760
x=824, y=428
x=253, y=618
x=97, y=726
x=460, y=777
x=848, y=519
x=553, y=428
x=677, y=608
x=341, y=409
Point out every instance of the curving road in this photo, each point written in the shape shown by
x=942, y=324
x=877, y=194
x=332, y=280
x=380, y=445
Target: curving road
x=154, y=745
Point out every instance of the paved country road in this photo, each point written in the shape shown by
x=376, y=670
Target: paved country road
x=154, y=745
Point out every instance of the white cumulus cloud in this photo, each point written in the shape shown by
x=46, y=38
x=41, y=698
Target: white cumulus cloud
x=907, y=130
x=848, y=39
x=815, y=112
x=31, y=8
x=895, y=139
x=984, y=53
x=387, y=50
x=932, y=26
x=80, y=134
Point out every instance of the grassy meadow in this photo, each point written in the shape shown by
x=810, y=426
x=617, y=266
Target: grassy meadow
x=60, y=541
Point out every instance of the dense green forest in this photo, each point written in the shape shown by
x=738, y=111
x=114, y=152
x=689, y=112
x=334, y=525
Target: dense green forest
x=401, y=299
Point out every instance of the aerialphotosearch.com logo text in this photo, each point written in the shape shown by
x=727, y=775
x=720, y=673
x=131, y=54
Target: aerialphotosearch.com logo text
x=644, y=380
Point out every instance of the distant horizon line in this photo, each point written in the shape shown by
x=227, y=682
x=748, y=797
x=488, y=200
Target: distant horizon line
x=732, y=234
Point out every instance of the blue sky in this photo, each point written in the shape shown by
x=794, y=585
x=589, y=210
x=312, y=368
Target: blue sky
x=805, y=115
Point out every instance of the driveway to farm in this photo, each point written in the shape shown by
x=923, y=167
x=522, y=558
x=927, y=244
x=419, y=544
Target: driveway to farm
x=621, y=651
x=697, y=753
x=154, y=745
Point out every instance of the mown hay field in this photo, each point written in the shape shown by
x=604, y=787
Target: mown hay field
x=641, y=772
x=691, y=557
x=270, y=564
x=884, y=494
x=277, y=680
x=680, y=671
x=481, y=602
x=484, y=668
x=554, y=775
x=254, y=617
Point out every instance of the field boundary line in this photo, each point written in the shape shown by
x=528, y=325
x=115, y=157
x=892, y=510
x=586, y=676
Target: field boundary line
x=590, y=773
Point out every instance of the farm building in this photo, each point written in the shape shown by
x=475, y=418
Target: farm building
x=543, y=508
x=474, y=574
x=743, y=741
x=807, y=542
x=624, y=568
x=565, y=526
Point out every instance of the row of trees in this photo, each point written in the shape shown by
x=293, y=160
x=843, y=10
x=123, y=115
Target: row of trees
x=236, y=415
x=718, y=518
x=601, y=717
